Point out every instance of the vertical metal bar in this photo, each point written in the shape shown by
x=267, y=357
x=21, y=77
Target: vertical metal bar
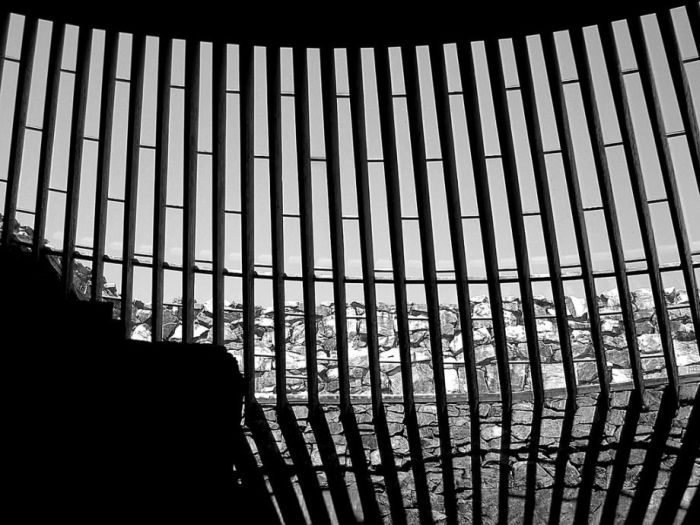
x=420, y=171
x=623, y=111
x=303, y=140
x=682, y=89
x=165, y=57
x=476, y=146
x=24, y=83
x=595, y=132
x=359, y=139
x=247, y=238
x=75, y=160
x=534, y=131
x=566, y=144
x=668, y=173
x=327, y=448
x=133, y=154
x=391, y=168
x=274, y=128
x=104, y=155
x=694, y=19
x=449, y=162
x=48, y=125
x=510, y=169
x=330, y=122
x=4, y=34
x=218, y=186
x=301, y=113
x=190, y=194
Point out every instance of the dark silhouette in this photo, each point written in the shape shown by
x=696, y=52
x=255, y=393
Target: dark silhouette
x=99, y=426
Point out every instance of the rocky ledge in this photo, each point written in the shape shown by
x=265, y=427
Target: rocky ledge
x=575, y=448
x=608, y=303
x=685, y=344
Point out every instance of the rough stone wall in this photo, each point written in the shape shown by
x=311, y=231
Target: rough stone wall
x=684, y=337
x=491, y=422
x=619, y=371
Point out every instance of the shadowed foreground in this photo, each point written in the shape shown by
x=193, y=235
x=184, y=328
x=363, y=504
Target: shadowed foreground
x=103, y=427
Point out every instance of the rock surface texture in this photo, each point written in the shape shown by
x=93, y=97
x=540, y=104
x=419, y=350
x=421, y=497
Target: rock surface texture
x=542, y=461
x=685, y=345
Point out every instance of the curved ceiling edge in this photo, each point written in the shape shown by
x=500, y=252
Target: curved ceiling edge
x=338, y=26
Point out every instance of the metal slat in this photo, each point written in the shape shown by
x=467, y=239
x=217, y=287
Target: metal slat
x=682, y=89
x=668, y=173
x=4, y=35
x=359, y=139
x=537, y=151
x=24, y=82
x=138, y=64
x=624, y=109
x=165, y=57
x=75, y=157
x=593, y=122
x=190, y=190
x=391, y=167
x=274, y=127
x=332, y=142
x=247, y=82
x=330, y=121
x=48, y=124
x=219, y=106
x=104, y=154
x=288, y=423
x=693, y=11
x=341, y=501
x=316, y=417
x=420, y=172
x=510, y=168
x=301, y=119
x=476, y=146
x=447, y=146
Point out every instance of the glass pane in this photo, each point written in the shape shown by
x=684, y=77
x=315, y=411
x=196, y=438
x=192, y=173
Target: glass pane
x=321, y=219
x=441, y=222
x=144, y=202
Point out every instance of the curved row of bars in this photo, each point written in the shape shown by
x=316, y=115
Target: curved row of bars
x=401, y=99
